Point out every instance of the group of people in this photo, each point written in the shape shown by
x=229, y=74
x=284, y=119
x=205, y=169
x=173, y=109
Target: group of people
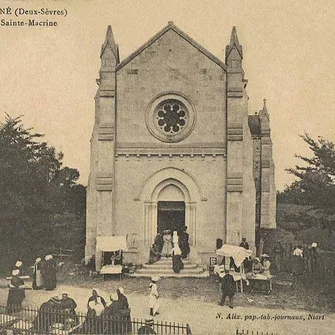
x=45, y=273
x=57, y=312
x=171, y=244
x=304, y=260
x=101, y=318
x=44, y=276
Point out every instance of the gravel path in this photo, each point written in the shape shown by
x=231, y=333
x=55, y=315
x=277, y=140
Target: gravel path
x=203, y=317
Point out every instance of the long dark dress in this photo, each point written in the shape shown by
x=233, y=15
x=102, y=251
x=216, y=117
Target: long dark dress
x=177, y=263
x=49, y=274
x=16, y=295
x=228, y=289
x=113, y=320
x=68, y=309
x=146, y=330
x=154, y=255
x=93, y=324
x=159, y=242
x=37, y=276
x=48, y=314
x=298, y=265
x=125, y=314
x=184, y=244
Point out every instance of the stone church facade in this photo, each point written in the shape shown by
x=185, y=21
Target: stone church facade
x=173, y=146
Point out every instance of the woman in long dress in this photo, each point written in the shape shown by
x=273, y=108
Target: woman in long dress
x=124, y=311
x=113, y=323
x=167, y=244
x=68, y=311
x=266, y=265
x=154, y=255
x=16, y=293
x=37, y=275
x=48, y=271
x=177, y=263
x=154, y=296
x=48, y=314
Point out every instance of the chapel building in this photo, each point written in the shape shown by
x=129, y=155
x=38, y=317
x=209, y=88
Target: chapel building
x=173, y=146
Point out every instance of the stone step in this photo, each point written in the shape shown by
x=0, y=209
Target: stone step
x=169, y=261
x=204, y=274
x=164, y=266
x=152, y=271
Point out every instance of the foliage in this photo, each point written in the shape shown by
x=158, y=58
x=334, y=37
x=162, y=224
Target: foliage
x=37, y=192
x=315, y=186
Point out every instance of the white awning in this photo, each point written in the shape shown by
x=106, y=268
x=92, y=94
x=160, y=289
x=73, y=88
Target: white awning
x=111, y=243
x=238, y=253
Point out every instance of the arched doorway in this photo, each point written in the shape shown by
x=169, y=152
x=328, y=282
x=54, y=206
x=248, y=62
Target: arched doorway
x=180, y=186
x=170, y=208
x=170, y=215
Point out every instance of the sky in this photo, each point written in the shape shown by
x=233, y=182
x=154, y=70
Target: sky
x=47, y=74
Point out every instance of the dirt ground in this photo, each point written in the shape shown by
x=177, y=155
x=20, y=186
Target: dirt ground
x=195, y=301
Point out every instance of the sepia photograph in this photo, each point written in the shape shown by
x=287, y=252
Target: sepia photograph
x=167, y=167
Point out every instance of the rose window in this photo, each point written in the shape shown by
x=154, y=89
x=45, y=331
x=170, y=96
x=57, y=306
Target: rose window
x=171, y=116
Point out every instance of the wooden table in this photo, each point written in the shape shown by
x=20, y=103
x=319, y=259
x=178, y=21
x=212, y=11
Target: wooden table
x=238, y=277
x=260, y=283
x=111, y=270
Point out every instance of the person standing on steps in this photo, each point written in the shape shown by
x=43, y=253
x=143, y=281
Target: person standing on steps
x=154, y=296
x=184, y=243
x=159, y=242
x=177, y=263
x=167, y=243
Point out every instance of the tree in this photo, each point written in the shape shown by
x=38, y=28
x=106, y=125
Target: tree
x=316, y=180
x=36, y=191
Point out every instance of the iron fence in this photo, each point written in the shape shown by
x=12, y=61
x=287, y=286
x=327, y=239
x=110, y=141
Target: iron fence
x=34, y=321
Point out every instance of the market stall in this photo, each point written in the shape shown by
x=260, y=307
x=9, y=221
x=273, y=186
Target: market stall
x=238, y=254
x=259, y=282
x=113, y=246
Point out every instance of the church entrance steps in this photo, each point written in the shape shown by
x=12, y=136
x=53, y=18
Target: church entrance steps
x=163, y=268
x=171, y=274
x=159, y=266
x=168, y=262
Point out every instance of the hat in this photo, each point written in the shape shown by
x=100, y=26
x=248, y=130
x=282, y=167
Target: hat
x=15, y=272
x=48, y=257
x=114, y=297
x=155, y=278
x=265, y=255
x=256, y=259
x=314, y=245
x=18, y=264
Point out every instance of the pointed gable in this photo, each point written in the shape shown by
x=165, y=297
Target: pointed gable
x=183, y=35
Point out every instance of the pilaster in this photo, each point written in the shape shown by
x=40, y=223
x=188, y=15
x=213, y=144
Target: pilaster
x=101, y=180
x=236, y=113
